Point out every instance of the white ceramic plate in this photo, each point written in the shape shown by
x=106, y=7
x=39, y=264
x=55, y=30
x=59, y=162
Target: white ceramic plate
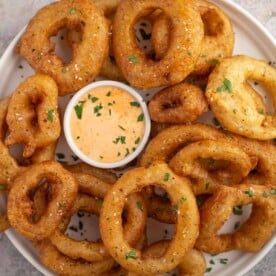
x=251, y=39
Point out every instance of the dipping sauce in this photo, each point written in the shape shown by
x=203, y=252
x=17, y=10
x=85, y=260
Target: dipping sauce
x=107, y=124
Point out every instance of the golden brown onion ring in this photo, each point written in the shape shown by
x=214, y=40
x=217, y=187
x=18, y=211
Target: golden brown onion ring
x=32, y=116
x=64, y=190
x=178, y=62
x=186, y=163
x=232, y=99
x=180, y=103
x=253, y=234
x=88, y=56
x=218, y=41
x=187, y=219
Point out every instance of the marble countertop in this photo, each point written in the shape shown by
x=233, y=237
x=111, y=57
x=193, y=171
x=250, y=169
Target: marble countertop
x=14, y=14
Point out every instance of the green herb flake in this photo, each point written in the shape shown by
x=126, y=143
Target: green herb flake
x=131, y=255
x=180, y=201
x=122, y=128
x=137, y=141
x=119, y=139
x=118, y=154
x=189, y=52
x=273, y=191
x=63, y=70
x=60, y=155
x=78, y=109
x=250, y=193
x=2, y=187
x=94, y=99
x=139, y=205
x=132, y=59
x=61, y=204
x=265, y=194
x=127, y=152
x=208, y=269
x=136, y=104
x=167, y=177
x=212, y=262
x=213, y=62
x=108, y=94
x=100, y=202
x=140, y=118
x=226, y=86
x=262, y=112
x=207, y=185
x=199, y=201
x=72, y=11
x=51, y=115
x=237, y=210
x=97, y=109
x=223, y=261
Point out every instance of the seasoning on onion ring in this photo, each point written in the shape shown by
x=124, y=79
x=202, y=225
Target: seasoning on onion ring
x=88, y=56
x=32, y=116
x=218, y=41
x=180, y=103
x=64, y=190
x=186, y=30
x=186, y=162
x=253, y=234
x=235, y=103
x=187, y=219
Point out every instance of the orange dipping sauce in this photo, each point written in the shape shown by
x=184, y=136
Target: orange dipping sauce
x=107, y=124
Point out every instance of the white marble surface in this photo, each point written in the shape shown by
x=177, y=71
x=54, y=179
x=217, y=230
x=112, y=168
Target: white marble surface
x=14, y=14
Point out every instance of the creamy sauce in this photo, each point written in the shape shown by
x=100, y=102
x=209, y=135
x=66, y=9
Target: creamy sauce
x=107, y=124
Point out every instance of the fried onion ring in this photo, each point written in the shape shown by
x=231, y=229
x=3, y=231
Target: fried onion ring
x=178, y=62
x=253, y=234
x=218, y=41
x=32, y=116
x=187, y=219
x=88, y=56
x=180, y=103
x=186, y=163
x=232, y=99
x=170, y=140
x=20, y=207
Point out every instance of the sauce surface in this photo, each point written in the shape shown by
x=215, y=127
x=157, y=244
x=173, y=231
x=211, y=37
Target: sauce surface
x=107, y=124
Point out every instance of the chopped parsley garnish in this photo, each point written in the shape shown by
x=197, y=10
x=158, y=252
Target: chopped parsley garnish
x=226, y=86
x=136, y=104
x=212, y=262
x=223, y=261
x=140, y=205
x=208, y=269
x=199, y=201
x=127, y=152
x=132, y=59
x=97, y=109
x=140, y=118
x=137, y=141
x=72, y=11
x=61, y=205
x=100, y=201
x=167, y=176
x=207, y=185
x=213, y=62
x=119, y=139
x=237, y=210
x=262, y=112
x=122, y=128
x=180, y=201
x=108, y=94
x=63, y=70
x=2, y=187
x=131, y=255
x=265, y=194
x=78, y=109
x=94, y=99
x=60, y=155
x=249, y=193
x=273, y=191
x=51, y=115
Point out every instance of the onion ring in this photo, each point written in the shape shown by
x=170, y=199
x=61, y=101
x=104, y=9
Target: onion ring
x=253, y=234
x=171, y=139
x=218, y=41
x=235, y=103
x=88, y=55
x=180, y=103
x=32, y=116
x=64, y=192
x=187, y=219
x=186, y=163
x=142, y=72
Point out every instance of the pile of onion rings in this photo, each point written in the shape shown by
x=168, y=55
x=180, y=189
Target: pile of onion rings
x=221, y=167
